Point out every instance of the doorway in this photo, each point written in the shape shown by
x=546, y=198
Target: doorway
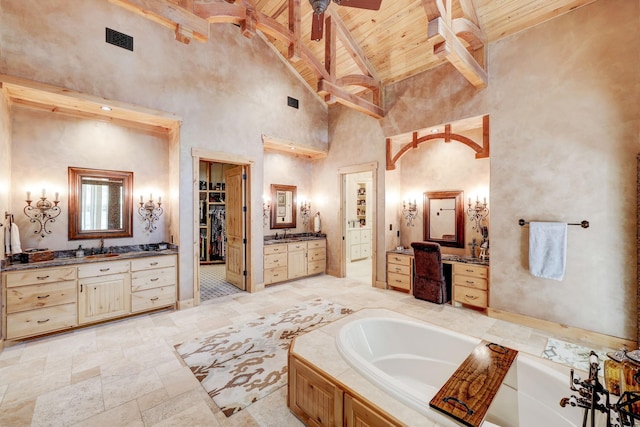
x=221, y=208
x=358, y=219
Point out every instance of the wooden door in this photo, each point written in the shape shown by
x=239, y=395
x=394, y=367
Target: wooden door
x=104, y=297
x=235, y=226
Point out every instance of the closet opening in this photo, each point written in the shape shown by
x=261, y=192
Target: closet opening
x=217, y=199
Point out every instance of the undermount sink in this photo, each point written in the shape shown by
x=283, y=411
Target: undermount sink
x=101, y=256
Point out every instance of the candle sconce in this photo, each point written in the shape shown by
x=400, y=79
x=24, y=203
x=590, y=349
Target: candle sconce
x=43, y=212
x=266, y=209
x=150, y=212
x=409, y=212
x=305, y=211
x=478, y=213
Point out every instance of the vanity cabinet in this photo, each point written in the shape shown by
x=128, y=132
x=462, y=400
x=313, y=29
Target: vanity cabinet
x=296, y=260
x=286, y=261
x=153, y=283
x=39, y=301
x=357, y=413
x=400, y=271
x=275, y=263
x=316, y=256
x=359, y=243
x=103, y=291
x=471, y=285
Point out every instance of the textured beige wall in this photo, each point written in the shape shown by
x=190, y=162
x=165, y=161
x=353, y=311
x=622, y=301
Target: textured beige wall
x=42, y=153
x=563, y=100
x=283, y=169
x=5, y=166
x=228, y=91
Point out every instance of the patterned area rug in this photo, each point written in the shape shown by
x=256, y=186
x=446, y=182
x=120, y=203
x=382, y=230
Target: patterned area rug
x=570, y=354
x=238, y=365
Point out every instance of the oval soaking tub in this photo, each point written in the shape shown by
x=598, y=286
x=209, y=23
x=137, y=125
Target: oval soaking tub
x=411, y=361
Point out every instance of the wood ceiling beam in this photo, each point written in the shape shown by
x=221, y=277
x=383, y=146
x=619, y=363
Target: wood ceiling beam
x=248, y=24
x=352, y=101
x=295, y=27
x=169, y=14
x=353, y=48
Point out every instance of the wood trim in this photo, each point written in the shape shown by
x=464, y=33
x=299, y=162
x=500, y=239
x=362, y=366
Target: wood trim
x=560, y=329
x=278, y=145
x=482, y=151
x=352, y=101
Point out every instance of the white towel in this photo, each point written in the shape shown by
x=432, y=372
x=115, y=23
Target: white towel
x=547, y=249
x=15, y=239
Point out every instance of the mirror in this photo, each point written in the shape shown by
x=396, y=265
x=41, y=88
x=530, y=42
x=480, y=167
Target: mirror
x=283, y=206
x=444, y=218
x=100, y=203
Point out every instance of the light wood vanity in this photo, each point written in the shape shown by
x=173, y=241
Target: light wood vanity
x=292, y=260
x=39, y=300
x=469, y=277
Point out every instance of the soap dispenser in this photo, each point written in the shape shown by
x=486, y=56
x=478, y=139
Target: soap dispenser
x=79, y=252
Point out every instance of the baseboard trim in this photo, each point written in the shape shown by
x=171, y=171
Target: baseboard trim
x=563, y=330
x=185, y=304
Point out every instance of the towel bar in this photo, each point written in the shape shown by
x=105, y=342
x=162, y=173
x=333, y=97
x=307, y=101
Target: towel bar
x=583, y=224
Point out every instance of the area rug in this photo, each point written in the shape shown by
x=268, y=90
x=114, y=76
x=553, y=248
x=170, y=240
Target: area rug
x=571, y=354
x=238, y=365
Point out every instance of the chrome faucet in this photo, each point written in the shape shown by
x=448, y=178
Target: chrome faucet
x=101, y=246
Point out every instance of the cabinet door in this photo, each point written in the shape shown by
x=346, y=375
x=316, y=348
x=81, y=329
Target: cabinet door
x=314, y=399
x=296, y=264
x=104, y=297
x=356, y=252
x=357, y=414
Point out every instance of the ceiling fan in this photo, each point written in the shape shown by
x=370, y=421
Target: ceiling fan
x=319, y=6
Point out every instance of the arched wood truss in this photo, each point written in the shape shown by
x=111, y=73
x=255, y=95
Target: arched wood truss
x=482, y=150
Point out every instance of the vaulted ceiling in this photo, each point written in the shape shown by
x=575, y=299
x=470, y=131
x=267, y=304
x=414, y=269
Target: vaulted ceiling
x=362, y=50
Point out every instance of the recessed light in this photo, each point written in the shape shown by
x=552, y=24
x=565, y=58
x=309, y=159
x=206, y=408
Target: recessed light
x=105, y=108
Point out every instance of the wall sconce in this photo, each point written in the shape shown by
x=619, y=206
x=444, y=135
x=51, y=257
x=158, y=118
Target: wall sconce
x=266, y=211
x=409, y=212
x=305, y=211
x=478, y=213
x=150, y=212
x=43, y=212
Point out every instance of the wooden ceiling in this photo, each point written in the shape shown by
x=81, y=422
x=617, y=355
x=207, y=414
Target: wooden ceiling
x=363, y=50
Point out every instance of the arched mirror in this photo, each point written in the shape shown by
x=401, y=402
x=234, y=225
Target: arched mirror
x=100, y=203
x=444, y=218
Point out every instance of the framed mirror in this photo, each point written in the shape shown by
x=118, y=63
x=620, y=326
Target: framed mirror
x=100, y=203
x=283, y=206
x=444, y=218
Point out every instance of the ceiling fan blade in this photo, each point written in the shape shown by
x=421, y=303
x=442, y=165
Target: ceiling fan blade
x=361, y=4
x=317, y=26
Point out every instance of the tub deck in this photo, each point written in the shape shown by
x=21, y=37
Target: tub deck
x=467, y=394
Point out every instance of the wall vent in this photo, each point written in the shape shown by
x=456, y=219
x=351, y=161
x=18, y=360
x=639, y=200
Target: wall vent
x=119, y=39
x=292, y=102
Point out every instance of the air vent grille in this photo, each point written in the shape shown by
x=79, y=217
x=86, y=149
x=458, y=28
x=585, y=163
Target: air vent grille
x=119, y=39
x=292, y=102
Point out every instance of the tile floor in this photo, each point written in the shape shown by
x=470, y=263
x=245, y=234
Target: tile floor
x=127, y=373
x=213, y=282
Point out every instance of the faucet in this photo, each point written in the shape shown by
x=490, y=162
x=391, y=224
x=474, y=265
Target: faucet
x=101, y=246
x=285, y=233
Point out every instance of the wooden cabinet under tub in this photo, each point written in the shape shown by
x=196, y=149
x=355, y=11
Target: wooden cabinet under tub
x=39, y=300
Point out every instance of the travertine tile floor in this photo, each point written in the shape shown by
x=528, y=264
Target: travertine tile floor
x=127, y=373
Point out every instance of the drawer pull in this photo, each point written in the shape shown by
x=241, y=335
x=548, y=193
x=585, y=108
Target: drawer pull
x=43, y=296
x=275, y=275
x=153, y=263
x=154, y=299
x=471, y=297
x=468, y=270
x=43, y=321
x=105, y=269
x=155, y=279
x=471, y=282
x=42, y=277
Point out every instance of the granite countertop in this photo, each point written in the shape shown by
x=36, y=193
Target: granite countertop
x=447, y=257
x=300, y=237
x=65, y=258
